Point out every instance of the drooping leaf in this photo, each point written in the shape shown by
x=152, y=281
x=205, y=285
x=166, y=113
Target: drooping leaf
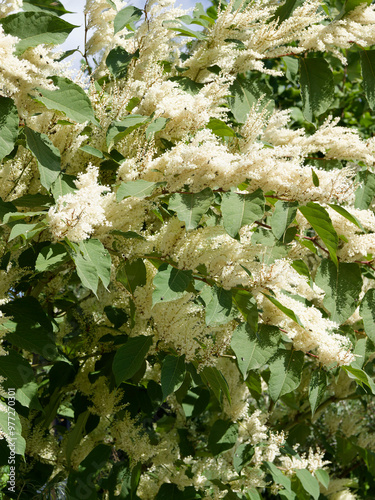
x=216, y=381
x=70, y=99
x=156, y=126
x=170, y=283
x=29, y=327
x=309, y=483
x=285, y=10
x=223, y=436
x=139, y=188
x=47, y=154
x=367, y=311
x=51, y=257
x=245, y=93
x=342, y=211
x=5, y=208
x=119, y=129
x=19, y=375
x=93, y=263
x=278, y=476
x=75, y=436
x=92, y=151
x=242, y=456
x=282, y=217
x=241, y=209
x=342, y=286
x=317, y=86
x=218, y=305
x=10, y=425
x=317, y=388
x=129, y=357
x=253, y=350
x=126, y=16
x=182, y=30
x=322, y=476
x=54, y=7
x=220, y=128
x=360, y=376
x=35, y=28
x=190, y=207
x=286, y=371
x=26, y=231
x=64, y=184
x=368, y=73
x=291, y=314
x=8, y=125
x=118, y=61
x=172, y=374
x=247, y=306
x=366, y=191
x=320, y=221
x=132, y=274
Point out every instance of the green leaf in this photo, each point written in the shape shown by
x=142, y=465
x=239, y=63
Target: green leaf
x=191, y=206
x=285, y=10
x=127, y=234
x=118, y=61
x=254, y=350
x=291, y=314
x=218, y=305
x=138, y=188
x=156, y=126
x=368, y=73
x=342, y=211
x=74, y=436
x=222, y=437
x=34, y=200
x=126, y=16
x=30, y=328
x=309, y=483
x=291, y=64
x=366, y=191
x=182, y=30
x=342, y=286
x=317, y=86
x=242, y=456
x=92, y=151
x=360, y=376
x=8, y=126
x=278, y=476
x=282, y=217
x=170, y=283
x=51, y=257
x=240, y=210
x=286, y=371
x=215, y=380
x=70, y=99
x=350, y=5
x=172, y=374
x=322, y=476
x=132, y=274
x=320, y=221
x=64, y=184
x=129, y=357
x=36, y=28
x=55, y=7
x=244, y=94
x=5, y=208
x=18, y=375
x=119, y=129
x=10, y=424
x=220, y=128
x=93, y=262
x=47, y=154
x=367, y=311
x=26, y=231
x=317, y=389
x=247, y=306
x=302, y=269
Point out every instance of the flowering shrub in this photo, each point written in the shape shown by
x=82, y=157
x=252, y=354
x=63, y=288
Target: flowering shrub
x=187, y=287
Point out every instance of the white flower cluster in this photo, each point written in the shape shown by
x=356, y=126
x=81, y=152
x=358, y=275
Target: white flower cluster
x=76, y=214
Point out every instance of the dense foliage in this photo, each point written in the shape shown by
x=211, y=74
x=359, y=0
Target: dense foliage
x=187, y=284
